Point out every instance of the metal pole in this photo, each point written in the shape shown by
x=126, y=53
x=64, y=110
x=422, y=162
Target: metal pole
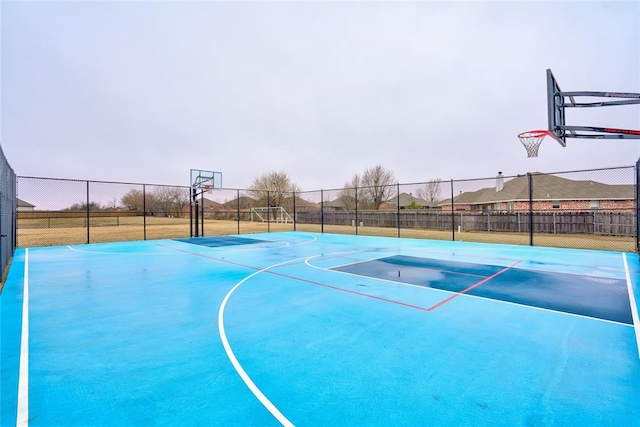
x=637, y=205
x=191, y=196
x=453, y=223
x=294, y=211
x=196, y=209
x=322, y=211
x=356, y=211
x=144, y=212
x=88, y=215
x=238, y=199
x=268, y=213
x=530, y=177
x=398, y=210
x=202, y=212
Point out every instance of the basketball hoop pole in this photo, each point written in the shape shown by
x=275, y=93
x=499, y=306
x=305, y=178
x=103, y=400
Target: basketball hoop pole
x=195, y=209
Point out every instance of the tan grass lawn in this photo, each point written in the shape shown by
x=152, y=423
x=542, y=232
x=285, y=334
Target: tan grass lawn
x=73, y=231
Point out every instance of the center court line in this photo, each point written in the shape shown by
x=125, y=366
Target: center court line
x=475, y=285
x=234, y=360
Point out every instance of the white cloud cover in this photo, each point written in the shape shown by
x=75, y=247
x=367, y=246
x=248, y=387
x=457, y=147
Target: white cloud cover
x=144, y=91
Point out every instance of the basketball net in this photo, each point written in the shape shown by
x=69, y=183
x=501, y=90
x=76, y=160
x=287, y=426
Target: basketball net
x=532, y=140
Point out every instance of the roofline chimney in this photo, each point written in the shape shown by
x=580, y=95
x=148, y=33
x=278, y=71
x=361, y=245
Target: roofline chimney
x=499, y=182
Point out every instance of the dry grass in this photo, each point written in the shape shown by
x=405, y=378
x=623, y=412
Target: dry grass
x=128, y=229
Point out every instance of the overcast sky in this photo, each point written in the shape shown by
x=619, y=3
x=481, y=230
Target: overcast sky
x=144, y=91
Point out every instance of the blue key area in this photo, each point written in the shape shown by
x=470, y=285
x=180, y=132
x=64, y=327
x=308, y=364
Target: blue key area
x=598, y=296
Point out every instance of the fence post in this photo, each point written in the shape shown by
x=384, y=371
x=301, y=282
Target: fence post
x=294, y=211
x=321, y=210
x=238, y=208
x=453, y=222
x=144, y=214
x=530, y=179
x=356, y=192
x=88, y=214
x=268, y=212
x=638, y=205
x=398, y=210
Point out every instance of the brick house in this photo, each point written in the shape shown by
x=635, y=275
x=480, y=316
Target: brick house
x=550, y=193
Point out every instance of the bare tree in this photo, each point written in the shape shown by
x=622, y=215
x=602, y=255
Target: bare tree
x=112, y=204
x=271, y=189
x=170, y=200
x=377, y=183
x=348, y=193
x=133, y=200
x=431, y=190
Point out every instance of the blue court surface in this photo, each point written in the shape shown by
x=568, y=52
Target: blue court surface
x=319, y=330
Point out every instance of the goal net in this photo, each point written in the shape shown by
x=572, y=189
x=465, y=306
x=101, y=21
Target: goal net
x=271, y=214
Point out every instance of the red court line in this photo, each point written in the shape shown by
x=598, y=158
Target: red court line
x=324, y=285
x=475, y=285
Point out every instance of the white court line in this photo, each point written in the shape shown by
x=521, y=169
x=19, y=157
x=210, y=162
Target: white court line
x=232, y=357
x=633, y=302
x=173, y=253
x=119, y=253
x=23, y=375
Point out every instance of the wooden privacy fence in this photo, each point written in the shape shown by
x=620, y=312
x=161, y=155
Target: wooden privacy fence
x=595, y=223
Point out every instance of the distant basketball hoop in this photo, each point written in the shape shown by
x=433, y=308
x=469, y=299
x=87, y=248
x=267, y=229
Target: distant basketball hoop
x=532, y=140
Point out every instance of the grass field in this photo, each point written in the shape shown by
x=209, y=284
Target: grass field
x=74, y=231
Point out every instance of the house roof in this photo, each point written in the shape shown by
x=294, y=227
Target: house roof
x=299, y=201
x=210, y=204
x=23, y=204
x=406, y=199
x=245, y=202
x=342, y=202
x=545, y=187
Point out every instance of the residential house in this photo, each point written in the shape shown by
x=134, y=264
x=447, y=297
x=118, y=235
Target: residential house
x=406, y=200
x=25, y=206
x=550, y=193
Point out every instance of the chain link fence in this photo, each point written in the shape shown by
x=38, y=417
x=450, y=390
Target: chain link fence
x=594, y=209
x=8, y=209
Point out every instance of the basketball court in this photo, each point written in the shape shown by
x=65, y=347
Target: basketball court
x=294, y=328
x=318, y=329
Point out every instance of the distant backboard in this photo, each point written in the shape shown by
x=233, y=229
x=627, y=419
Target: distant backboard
x=205, y=180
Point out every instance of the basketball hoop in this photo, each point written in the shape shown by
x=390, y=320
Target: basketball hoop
x=532, y=140
x=208, y=188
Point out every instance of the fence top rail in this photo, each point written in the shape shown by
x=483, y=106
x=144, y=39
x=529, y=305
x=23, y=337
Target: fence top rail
x=333, y=189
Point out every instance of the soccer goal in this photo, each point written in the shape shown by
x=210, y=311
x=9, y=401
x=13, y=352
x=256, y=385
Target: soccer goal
x=271, y=214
